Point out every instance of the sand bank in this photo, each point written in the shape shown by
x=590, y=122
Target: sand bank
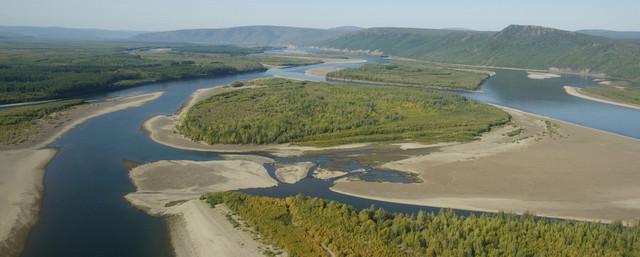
x=198, y=230
x=172, y=189
x=322, y=173
x=23, y=166
x=578, y=92
x=541, y=75
x=291, y=173
x=553, y=169
x=321, y=72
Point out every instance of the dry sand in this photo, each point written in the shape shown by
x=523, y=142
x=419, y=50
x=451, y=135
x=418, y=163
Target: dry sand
x=198, y=230
x=291, y=173
x=577, y=92
x=327, y=174
x=23, y=166
x=321, y=72
x=172, y=189
x=553, y=169
x=541, y=75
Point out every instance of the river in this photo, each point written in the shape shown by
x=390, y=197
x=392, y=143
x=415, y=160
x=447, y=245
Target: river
x=83, y=210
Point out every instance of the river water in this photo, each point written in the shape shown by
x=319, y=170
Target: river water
x=84, y=213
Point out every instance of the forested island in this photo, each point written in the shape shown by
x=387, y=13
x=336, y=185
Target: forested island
x=272, y=111
x=413, y=74
x=304, y=226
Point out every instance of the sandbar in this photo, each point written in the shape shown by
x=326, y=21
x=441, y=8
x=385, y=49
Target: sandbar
x=552, y=168
x=578, y=92
x=291, y=173
x=541, y=75
x=172, y=188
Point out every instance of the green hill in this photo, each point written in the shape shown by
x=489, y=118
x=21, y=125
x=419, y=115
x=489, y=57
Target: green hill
x=515, y=46
x=249, y=35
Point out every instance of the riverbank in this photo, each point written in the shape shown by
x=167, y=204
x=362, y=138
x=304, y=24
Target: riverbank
x=562, y=170
x=321, y=72
x=172, y=188
x=23, y=167
x=578, y=92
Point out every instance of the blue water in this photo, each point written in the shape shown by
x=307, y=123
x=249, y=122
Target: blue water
x=84, y=212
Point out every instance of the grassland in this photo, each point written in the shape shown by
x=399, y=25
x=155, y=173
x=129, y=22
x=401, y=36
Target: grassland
x=305, y=226
x=321, y=114
x=413, y=73
x=18, y=123
x=32, y=71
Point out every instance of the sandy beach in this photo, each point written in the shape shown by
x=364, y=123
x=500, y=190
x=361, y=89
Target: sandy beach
x=172, y=189
x=542, y=75
x=23, y=166
x=551, y=168
x=578, y=92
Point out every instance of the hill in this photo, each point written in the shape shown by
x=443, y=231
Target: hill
x=515, y=46
x=64, y=33
x=632, y=35
x=249, y=35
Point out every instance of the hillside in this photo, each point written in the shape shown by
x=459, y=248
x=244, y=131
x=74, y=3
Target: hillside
x=64, y=33
x=249, y=35
x=515, y=46
x=633, y=35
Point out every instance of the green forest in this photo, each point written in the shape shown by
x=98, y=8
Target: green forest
x=16, y=124
x=304, y=226
x=31, y=71
x=413, y=73
x=322, y=114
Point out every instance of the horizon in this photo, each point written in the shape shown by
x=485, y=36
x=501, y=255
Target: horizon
x=148, y=16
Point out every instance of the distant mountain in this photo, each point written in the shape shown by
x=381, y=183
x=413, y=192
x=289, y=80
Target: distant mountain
x=612, y=34
x=249, y=35
x=64, y=33
x=515, y=46
x=347, y=28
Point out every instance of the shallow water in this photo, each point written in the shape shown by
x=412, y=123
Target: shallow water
x=84, y=213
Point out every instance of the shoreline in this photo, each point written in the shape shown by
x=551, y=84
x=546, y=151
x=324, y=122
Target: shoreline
x=578, y=92
x=172, y=189
x=576, y=186
x=24, y=166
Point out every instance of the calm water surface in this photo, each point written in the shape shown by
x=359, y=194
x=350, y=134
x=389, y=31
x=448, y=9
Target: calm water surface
x=84, y=212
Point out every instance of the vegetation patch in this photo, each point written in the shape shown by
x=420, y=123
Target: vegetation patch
x=629, y=94
x=413, y=73
x=18, y=123
x=305, y=226
x=321, y=114
x=38, y=71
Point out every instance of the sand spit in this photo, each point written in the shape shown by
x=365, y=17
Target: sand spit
x=291, y=173
x=23, y=166
x=553, y=169
x=172, y=189
x=327, y=174
x=578, y=92
x=541, y=75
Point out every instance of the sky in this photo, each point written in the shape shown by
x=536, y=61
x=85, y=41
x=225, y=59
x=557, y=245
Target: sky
x=156, y=15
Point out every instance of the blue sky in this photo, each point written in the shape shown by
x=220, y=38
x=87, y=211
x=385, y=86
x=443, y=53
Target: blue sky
x=179, y=14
